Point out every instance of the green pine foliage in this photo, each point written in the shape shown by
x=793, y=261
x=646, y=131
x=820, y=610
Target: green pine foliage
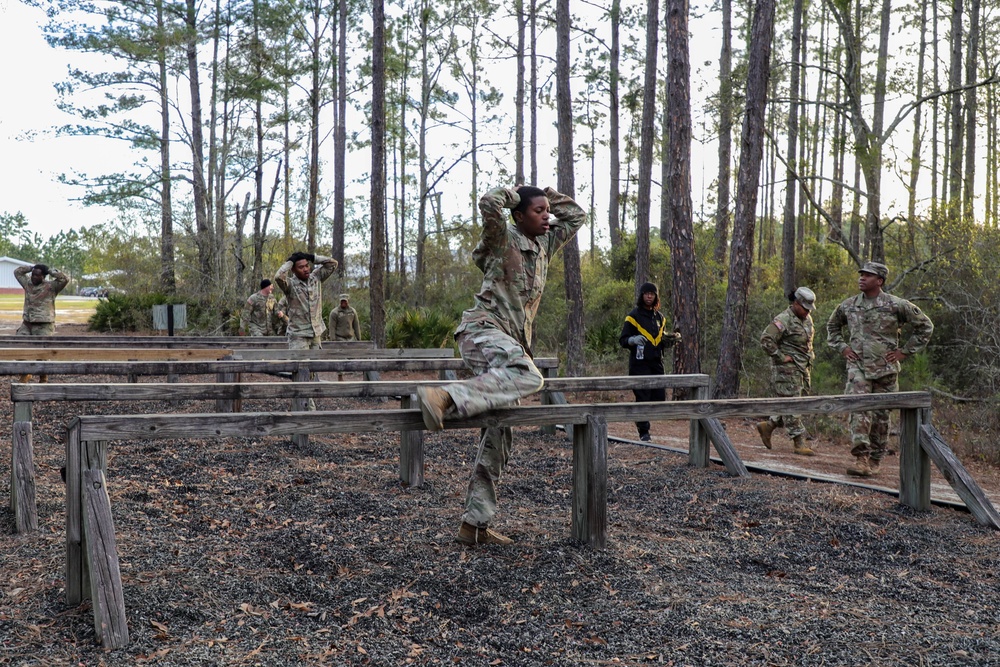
x=420, y=328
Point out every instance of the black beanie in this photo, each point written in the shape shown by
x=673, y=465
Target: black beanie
x=648, y=287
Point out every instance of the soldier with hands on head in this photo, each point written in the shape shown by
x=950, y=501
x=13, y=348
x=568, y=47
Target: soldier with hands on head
x=301, y=279
x=39, y=315
x=257, y=317
x=645, y=336
x=873, y=320
x=344, y=323
x=788, y=340
x=494, y=336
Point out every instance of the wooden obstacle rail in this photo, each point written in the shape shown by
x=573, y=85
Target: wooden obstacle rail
x=347, y=353
x=411, y=459
x=236, y=342
x=115, y=353
x=91, y=553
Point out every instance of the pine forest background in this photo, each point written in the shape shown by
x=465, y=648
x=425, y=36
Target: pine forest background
x=824, y=133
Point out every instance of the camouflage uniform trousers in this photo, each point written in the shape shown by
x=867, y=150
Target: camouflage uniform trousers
x=870, y=430
x=504, y=374
x=303, y=343
x=36, y=329
x=788, y=382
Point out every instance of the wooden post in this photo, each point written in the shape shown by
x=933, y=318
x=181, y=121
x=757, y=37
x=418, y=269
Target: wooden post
x=971, y=494
x=699, y=450
x=74, y=516
x=730, y=457
x=22, y=413
x=411, y=449
x=22, y=493
x=590, y=482
x=547, y=398
x=102, y=556
x=914, y=465
x=301, y=374
x=223, y=404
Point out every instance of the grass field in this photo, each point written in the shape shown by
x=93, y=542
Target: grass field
x=69, y=309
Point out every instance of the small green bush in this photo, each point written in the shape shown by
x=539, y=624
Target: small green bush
x=134, y=312
x=419, y=328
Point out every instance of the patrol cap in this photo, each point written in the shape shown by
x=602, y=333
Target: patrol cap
x=806, y=297
x=345, y=297
x=876, y=269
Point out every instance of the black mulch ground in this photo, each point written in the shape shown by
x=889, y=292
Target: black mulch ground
x=258, y=552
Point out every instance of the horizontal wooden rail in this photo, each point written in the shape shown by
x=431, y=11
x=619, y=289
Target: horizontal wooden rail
x=237, y=366
x=168, y=391
x=236, y=342
x=96, y=427
x=116, y=353
x=348, y=353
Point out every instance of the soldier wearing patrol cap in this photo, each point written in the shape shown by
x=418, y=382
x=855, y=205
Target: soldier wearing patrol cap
x=873, y=320
x=344, y=323
x=788, y=340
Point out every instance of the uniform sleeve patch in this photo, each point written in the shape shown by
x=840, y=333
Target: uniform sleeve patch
x=778, y=324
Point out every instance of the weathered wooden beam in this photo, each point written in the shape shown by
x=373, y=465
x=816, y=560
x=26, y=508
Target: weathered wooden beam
x=23, y=488
x=175, y=342
x=113, y=354
x=102, y=557
x=347, y=353
x=160, y=391
x=411, y=449
x=97, y=427
x=233, y=366
x=589, y=522
x=699, y=450
x=914, y=465
x=74, y=516
x=971, y=493
x=724, y=446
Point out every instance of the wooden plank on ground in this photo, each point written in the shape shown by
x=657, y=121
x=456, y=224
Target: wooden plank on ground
x=589, y=522
x=23, y=489
x=102, y=556
x=724, y=446
x=112, y=354
x=965, y=486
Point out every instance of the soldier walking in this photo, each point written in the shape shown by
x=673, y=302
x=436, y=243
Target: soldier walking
x=788, y=340
x=495, y=334
x=344, y=323
x=873, y=319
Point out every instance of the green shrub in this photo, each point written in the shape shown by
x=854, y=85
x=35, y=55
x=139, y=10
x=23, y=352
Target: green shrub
x=134, y=312
x=419, y=328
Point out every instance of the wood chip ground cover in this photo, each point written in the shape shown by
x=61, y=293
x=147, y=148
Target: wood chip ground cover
x=258, y=552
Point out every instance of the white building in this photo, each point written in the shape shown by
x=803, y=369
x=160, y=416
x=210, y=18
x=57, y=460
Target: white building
x=7, y=281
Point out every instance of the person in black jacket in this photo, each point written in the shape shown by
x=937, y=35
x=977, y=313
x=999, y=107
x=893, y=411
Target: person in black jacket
x=645, y=336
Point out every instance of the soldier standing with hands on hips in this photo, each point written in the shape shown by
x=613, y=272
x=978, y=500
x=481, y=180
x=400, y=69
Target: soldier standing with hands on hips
x=873, y=320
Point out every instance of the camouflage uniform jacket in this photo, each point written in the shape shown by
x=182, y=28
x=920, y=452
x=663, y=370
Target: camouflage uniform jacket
x=40, y=300
x=305, y=297
x=789, y=336
x=258, y=314
x=515, y=267
x=873, y=327
x=344, y=324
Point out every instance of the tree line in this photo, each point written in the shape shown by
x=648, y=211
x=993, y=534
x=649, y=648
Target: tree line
x=815, y=108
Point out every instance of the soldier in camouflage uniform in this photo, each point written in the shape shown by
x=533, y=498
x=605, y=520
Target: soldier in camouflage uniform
x=344, y=323
x=873, y=320
x=257, y=318
x=39, y=316
x=303, y=286
x=495, y=334
x=788, y=340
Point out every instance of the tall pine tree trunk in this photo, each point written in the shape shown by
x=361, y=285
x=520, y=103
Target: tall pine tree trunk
x=687, y=354
x=646, y=139
x=791, y=185
x=614, y=149
x=168, y=281
x=376, y=263
x=733, y=338
x=725, y=132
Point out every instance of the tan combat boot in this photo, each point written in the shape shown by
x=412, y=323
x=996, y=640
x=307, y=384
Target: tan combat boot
x=860, y=468
x=873, y=467
x=765, y=428
x=26, y=378
x=434, y=402
x=469, y=534
x=801, y=448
